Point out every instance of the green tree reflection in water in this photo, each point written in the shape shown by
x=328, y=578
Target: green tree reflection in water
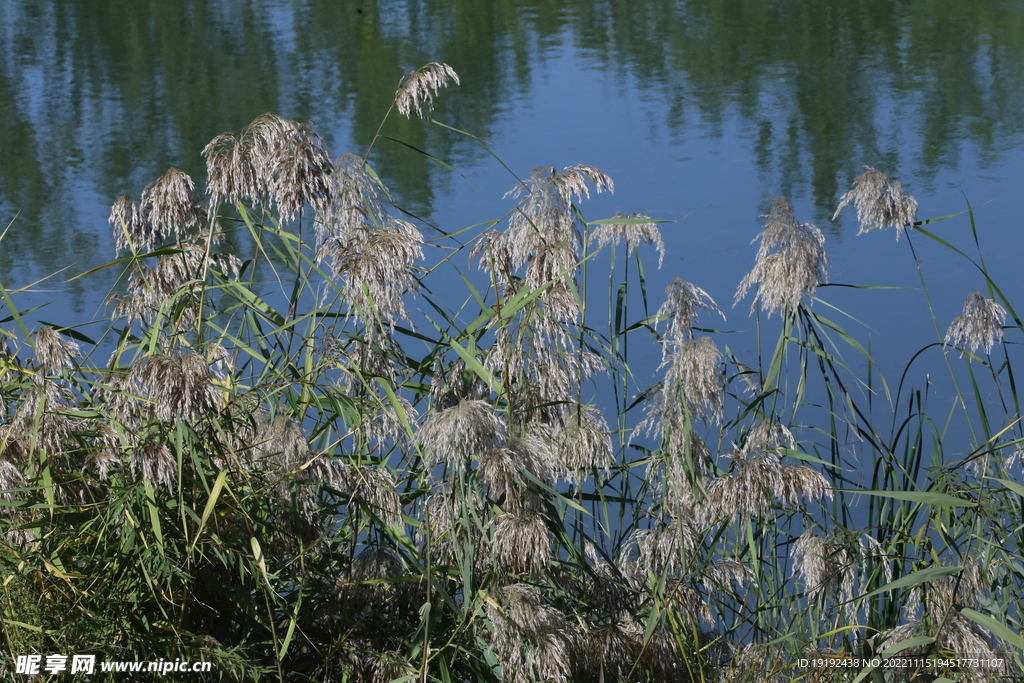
x=98, y=97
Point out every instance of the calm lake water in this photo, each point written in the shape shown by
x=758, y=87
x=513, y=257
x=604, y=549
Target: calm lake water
x=698, y=110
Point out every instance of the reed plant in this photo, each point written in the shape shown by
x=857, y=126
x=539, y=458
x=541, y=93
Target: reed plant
x=270, y=460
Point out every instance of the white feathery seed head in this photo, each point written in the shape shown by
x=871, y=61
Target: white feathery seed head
x=768, y=435
x=371, y=252
x=376, y=271
x=375, y=487
x=694, y=369
x=419, y=88
x=231, y=173
x=727, y=574
x=934, y=609
x=681, y=474
x=10, y=475
x=879, y=203
x=355, y=208
x=41, y=420
x=150, y=288
x=980, y=325
x=636, y=229
x=177, y=386
x=520, y=542
x=682, y=303
x=444, y=530
x=828, y=568
x=582, y=444
x=157, y=464
x=758, y=482
x=54, y=352
x=502, y=470
x=273, y=161
x=466, y=430
x=613, y=649
x=870, y=547
x=531, y=638
x=130, y=226
x=172, y=206
x=543, y=234
x=791, y=261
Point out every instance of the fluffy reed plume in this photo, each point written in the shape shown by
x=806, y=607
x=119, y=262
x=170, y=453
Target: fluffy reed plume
x=130, y=226
x=532, y=640
x=757, y=482
x=636, y=229
x=543, y=234
x=879, y=203
x=451, y=383
x=10, y=452
x=872, y=549
x=355, y=207
x=220, y=360
x=54, y=352
x=520, y=543
x=828, y=568
x=536, y=350
x=582, y=444
x=273, y=161
x=157, y=464
x=466, y=430
x=694, y=371
x=980, y=325
x=121, y=405
x=504, y=468
x=726, y=574
x=610, y=592
x=231, y=173
x=295, y=164
x=279, y=448
x=791, y=261
x=172, y=206
x=371, y=252
x=376, y=270
x=153, y=288
x=766, y=435
x=280, y=444
x=42, y=424
x=682, y=303
x=656, y=552
x=622, y=649
x=101, y=459
x=178, y=387
x=419, y=88
x=383, y=422
x=680, y=473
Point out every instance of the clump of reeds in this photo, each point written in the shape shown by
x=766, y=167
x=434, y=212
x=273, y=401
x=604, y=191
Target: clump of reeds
x=302, y=478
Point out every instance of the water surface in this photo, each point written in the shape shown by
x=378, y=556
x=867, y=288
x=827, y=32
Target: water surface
x=698, y=110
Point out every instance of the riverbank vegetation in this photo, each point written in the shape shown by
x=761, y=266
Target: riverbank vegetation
x=274, y=462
